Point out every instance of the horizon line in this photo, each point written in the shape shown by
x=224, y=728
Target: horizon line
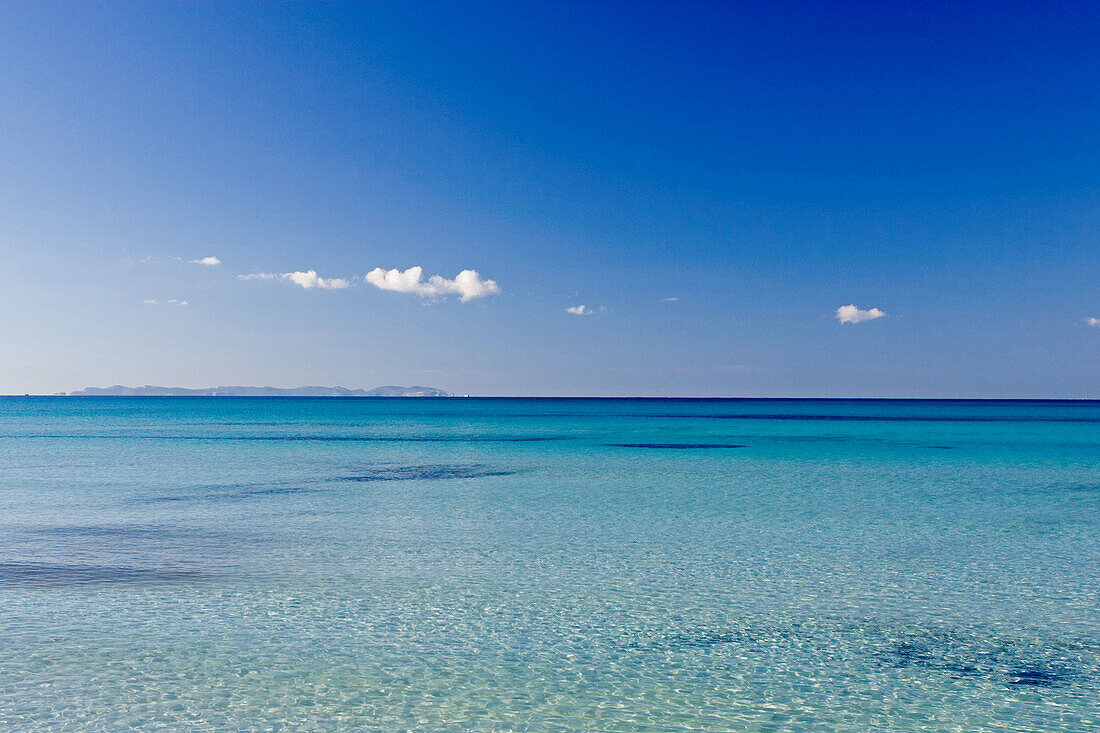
x=553, y=397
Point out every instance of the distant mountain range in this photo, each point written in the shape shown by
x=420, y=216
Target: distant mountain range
x=150, y=391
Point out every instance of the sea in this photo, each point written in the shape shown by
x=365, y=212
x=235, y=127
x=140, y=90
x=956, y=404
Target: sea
x=309, y=564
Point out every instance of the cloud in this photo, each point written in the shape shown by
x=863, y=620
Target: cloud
x=673, y=299
x=851, y=314
x=307, y=280
x=580, y=310
x=207, y=261
x=131, y=260
x=1093, y=322
x=170, y=301
x=466, y=284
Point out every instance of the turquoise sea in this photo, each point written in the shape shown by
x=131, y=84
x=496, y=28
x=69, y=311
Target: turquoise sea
x=213, y=564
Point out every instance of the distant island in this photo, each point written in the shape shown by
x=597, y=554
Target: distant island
x=150, y=391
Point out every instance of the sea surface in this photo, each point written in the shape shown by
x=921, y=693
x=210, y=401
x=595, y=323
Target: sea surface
x=214, y=564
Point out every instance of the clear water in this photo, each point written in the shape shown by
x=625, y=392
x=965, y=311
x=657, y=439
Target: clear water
x=330, y=564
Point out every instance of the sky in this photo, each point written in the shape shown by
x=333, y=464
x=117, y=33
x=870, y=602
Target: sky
x=843, y=199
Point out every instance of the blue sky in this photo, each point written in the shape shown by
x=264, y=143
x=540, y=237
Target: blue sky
x=712, y=181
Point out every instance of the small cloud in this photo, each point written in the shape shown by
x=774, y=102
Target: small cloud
x=467, y=284
x=211, y=261
x=308, y=279
x=170, y=301
x=851, y=314
x=673, y=299
x=580, y=310
x=173, y=301
x=150, y=302
x=1093, y=322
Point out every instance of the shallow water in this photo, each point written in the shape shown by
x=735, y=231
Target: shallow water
x=611, y=565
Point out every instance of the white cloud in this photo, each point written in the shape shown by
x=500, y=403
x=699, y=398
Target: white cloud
x=307, y=280
x=466, y=284
x=170, y=301
x=851, y=314
x=673, y=299
x=1093, y=322
x=206, y=261
x=580, y=310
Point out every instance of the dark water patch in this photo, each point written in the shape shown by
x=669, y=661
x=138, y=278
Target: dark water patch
x=1037, y=677
x=1079, y=490
x=677, y=446
x=864, y=418
x=531, y=439
x=920, y=654
x=906, y=653
x=701, y=640
x=91, y=541
x=231, y=495
x=241, y=492
x=30, y=574
x=241, y=486
x=824, y=438
x=428, y=473
x=966, y=656
x=271, y=491
x=943, y=447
